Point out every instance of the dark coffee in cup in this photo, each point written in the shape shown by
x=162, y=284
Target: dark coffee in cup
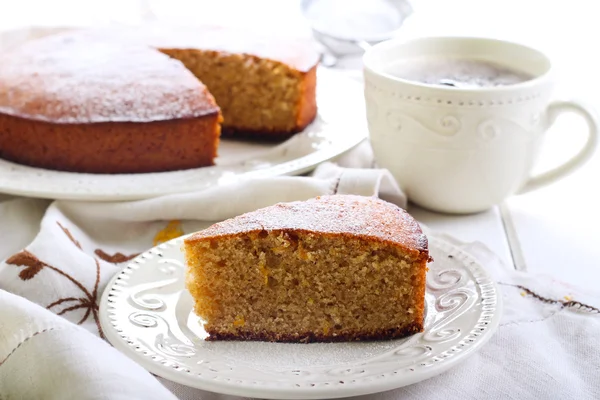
x=456, y=72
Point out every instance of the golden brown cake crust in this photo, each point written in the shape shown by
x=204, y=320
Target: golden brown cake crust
x=111, y=147
x=367, y=217
x=77, y=77
x=78, y=102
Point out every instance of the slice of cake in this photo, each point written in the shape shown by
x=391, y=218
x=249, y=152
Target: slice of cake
x=333, y=268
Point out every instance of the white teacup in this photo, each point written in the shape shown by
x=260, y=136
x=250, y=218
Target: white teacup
x=463, y=150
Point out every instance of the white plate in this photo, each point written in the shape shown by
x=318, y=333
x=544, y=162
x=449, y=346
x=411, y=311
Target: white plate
x=339, y=126
x=147, y=314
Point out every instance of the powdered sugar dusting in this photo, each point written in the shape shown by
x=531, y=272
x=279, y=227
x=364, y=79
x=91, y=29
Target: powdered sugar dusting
x=337, y=214
x=84, y=78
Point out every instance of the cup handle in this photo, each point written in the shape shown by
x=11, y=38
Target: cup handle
x=554, y=110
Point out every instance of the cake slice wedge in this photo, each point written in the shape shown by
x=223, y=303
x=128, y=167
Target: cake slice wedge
x=333, y=268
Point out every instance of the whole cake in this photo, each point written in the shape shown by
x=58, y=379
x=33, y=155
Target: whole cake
x=333, y=268
x=149, y=99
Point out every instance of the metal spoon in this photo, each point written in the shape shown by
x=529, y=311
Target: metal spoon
x=345, y=27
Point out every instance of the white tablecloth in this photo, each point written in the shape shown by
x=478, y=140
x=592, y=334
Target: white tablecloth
x=58, y=257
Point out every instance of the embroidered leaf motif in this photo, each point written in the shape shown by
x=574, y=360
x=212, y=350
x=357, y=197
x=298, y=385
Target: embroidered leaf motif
x=116, y=258
x=89, y=301
x=567, y=302
x=68, y=233
x=171, y=231
x=27, y=259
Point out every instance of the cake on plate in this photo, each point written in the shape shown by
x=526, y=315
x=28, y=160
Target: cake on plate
x=150, y=99
x=333, y=268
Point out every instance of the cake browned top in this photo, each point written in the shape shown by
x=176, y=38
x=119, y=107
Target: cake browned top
x=120, y=75
x=78, y=78
x=367, y=217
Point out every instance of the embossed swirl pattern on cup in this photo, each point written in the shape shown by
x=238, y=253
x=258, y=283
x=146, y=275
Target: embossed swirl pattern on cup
x=391, y=113
x=448, y=125
x=401, y=124
x=410, y=129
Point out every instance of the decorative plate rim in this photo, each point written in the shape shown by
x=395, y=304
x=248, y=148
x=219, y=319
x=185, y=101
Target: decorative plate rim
x=479, y=334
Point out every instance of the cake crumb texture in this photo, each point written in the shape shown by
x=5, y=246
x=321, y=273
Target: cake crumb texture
x=276, y=276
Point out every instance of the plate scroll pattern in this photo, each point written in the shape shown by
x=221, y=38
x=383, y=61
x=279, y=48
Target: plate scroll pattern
x=147, y=314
